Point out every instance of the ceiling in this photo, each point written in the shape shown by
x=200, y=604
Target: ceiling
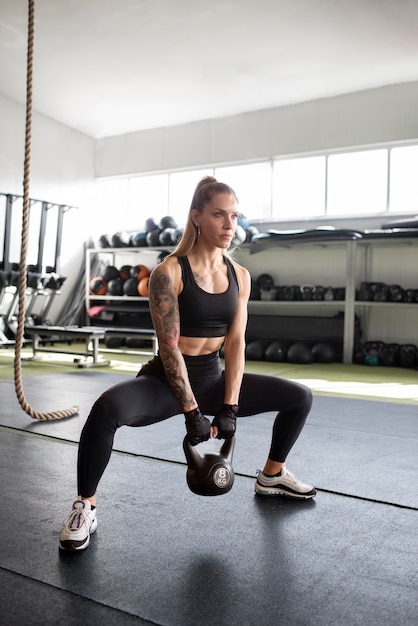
x=109, y=67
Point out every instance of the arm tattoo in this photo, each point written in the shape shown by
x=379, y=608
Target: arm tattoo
x=166, y=320
x=164, y=309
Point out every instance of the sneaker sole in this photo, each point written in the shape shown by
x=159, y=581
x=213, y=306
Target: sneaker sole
x=261, y=490
x=69, y=545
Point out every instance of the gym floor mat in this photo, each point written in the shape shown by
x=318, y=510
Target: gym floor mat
x=170, y=557
x=362, y=448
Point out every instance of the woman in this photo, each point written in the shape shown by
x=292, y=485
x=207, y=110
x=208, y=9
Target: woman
x=198, y=302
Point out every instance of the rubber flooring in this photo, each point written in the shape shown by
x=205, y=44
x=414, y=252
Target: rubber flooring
x=162, y=555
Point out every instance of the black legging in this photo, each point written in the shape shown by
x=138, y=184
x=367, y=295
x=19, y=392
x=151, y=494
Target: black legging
x=148, y=399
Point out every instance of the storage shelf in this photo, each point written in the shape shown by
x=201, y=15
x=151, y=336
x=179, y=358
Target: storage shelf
x=397, y=305
x=349, y=306
x=119, y=298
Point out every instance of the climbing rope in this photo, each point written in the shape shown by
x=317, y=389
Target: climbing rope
x=55, y=415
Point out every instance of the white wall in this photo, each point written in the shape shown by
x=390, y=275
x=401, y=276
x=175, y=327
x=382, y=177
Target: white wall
x=62, y=170
x=368, y=117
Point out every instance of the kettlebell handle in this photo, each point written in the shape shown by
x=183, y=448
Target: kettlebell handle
x=227, y=449
x=194, y=458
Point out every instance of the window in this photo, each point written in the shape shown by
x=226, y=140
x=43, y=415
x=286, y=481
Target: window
x=364, y=182
x=357, y=182
x=109, y=213
x=404, y=179
x=299, y=187
x=252, y=184
x=147, y=198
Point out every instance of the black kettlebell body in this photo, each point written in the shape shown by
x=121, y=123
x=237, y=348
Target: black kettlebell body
x=209, y=474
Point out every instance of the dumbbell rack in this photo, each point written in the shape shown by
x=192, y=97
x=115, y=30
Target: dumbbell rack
x=40, y=216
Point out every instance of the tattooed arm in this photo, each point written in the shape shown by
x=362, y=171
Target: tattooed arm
x=163, y=292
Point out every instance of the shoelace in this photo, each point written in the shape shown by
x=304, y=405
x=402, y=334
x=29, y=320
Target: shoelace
x=78, y=515
x=285, y=473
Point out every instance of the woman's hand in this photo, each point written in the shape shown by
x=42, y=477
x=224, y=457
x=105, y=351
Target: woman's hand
x=197, y=426
x=224, y=422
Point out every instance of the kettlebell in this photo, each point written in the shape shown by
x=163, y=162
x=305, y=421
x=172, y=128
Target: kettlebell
x=209, y=474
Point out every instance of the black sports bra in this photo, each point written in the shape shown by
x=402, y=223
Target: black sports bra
x=204, y=314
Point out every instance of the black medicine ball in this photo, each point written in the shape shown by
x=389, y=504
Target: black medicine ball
x=167, y=237
x=139, y=239
x=120, y=240
x=110, y=272
x=299, y=352
x=104, y=241
x=162, y=255
x=324, y=353
x=276, y=351
x=178, y=234
x=167, y=222
x=250, y=232
x=115, y=287
x=130, y=287
x=265, y=279
x=153, y=237
x=255, y=350
x=150, y=225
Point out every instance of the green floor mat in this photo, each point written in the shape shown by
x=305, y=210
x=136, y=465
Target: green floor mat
x=357, y=381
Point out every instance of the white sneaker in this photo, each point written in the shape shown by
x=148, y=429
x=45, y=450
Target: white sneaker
x=283, y=484
x=82, y=522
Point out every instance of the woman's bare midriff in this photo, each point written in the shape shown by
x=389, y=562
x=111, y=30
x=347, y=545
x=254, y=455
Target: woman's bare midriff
x=198, y=346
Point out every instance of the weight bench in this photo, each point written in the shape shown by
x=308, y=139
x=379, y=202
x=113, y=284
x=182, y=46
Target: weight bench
x=136, y=333
x=89, y=334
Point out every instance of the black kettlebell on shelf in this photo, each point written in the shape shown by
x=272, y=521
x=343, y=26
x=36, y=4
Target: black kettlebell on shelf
x=209, y=474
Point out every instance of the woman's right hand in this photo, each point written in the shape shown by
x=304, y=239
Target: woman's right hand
x=198, y=426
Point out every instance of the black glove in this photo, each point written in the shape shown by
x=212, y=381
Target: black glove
x=225, y=421
x=197, y=426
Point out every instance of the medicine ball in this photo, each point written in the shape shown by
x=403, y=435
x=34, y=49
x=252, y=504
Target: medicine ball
x=254, y=350
x=250, y=231
x=115, y=287
x=408, y=356
x=324, y=353
x=110, y=272
x=390, y=354
x=97, y=286
x=113, y=342
x=120, y=240
x=139, y=239
x=178, y=234
x=300, y=352
x=239, y=236
x=130, y=287
x=162, y=255
x=104, y=241
x=143, y=286
x=150, y=225
x=135, y=342
x=167, y=237
x=167, y=221
x=276, y=351
x=125, y=272
x=139, y=271
x=265, y=279
x=153, y=237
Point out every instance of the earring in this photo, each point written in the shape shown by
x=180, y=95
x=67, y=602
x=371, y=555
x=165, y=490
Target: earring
x=198, y=230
